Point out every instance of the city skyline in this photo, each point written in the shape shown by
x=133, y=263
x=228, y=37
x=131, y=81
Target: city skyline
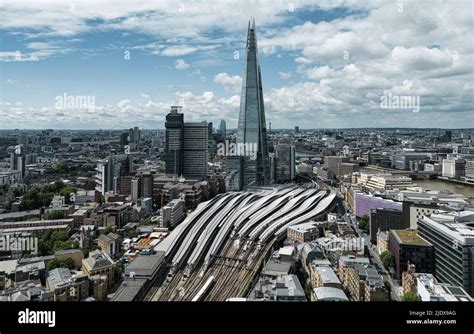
x=329, y=64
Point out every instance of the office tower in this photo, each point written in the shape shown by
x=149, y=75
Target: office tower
x=252, y=128
x=285, y=167
x=123, y=138
x=23, y=140
x=223, y=129
x=212, y=144
x=174, y=141
x=186, y=146
x=234, y=173
x=297, y=129
x=452, y=236
x=195, y=149
x=136, y=134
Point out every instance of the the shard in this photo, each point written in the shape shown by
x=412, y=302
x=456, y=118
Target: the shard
x=252, y=131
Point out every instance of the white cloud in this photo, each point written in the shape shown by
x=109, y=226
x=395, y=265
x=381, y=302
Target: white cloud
x=144, y=95
x=285, y=75
x=181, y=65
x=231, y=83
x=178, y=51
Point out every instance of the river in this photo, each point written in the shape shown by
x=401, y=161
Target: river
x=467, y=191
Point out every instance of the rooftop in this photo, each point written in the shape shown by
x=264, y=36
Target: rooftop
x=458, y=225
x=409, y=237
x=97, y=260
x=329, y=294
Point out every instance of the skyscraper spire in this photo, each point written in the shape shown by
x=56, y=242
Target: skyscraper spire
x=252, y=130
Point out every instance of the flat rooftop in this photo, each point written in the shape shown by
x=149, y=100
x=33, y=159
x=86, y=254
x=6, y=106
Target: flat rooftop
x=409, y=237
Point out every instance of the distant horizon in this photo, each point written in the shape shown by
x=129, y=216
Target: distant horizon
x=235, y=129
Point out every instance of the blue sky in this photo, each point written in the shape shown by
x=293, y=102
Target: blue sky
x=324, y=65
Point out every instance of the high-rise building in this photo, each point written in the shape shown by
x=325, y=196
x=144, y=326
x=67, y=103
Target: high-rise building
x=223, y=129
x=452, y=236
x=108, y=170
x=186, y=150
x=195, y=150
x=251, y=131
x=174, y=141
x=285, y=165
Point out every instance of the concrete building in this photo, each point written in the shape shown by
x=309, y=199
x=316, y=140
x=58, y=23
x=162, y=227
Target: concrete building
x=195, y=150
x=453, y=168
x=407, y=247
x=382, y=242
x=172, y=213
x=328, y=294
x=109, y=244
x=365, y=284
x=430, y=290
x=383, y=220
x=186, y=146
x=452, y=236
x=67, y=287
x=99, y=263
x=402, y=161
x=324, y=276
x=303, y=232
x=332, y=163
x=413, y=212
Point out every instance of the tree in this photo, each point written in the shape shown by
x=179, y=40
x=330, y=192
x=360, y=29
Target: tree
x=364, y=223
x=55, y=263
x=53, y=241
x=411, y=297
x=387, y=259
x=56, y=214
x=133, y=233
x=106, y=230
x=118, y=272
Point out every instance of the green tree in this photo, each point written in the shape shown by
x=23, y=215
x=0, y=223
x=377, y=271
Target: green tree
x=118, y=272
x=55, y=263
x=106, y=230
x=364, y=223
x=56, y=214
x=133, y=233
x=411, y=297
x=387, y=259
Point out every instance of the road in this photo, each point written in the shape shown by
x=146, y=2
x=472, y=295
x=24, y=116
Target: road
x=395, y=289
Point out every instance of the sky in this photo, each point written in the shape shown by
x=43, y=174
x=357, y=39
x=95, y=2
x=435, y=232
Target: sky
x=325, y=64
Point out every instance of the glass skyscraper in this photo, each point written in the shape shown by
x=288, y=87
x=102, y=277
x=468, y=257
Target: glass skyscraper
x=252, y=132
